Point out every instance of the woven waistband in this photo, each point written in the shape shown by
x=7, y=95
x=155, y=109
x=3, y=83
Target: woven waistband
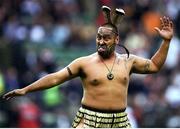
x=103, y=110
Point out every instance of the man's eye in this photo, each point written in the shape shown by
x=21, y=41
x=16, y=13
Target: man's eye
x=106, y=37
x=98, y=37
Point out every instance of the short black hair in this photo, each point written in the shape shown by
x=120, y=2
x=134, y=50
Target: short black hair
x=115, y=29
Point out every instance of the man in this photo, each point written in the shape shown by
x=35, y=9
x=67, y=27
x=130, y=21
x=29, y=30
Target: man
x=105, y=77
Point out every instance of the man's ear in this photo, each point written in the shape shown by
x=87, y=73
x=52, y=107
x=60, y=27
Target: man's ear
x=117, y=40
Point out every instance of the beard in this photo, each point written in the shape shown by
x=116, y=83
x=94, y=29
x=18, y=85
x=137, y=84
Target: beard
x=105, y=51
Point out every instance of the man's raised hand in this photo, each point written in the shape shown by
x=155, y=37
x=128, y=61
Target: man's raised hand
x=166, y=31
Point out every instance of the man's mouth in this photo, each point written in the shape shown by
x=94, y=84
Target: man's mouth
x=102, y=48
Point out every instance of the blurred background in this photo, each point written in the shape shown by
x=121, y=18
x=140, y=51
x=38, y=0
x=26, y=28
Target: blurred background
x=38, y=37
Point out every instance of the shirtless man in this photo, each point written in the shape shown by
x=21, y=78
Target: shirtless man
x=105, y=76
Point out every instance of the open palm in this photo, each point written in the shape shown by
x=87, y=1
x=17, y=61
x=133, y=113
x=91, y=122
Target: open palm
x=166, y=31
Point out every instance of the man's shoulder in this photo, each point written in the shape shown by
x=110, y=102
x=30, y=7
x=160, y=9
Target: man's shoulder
x=86, y=58
x=125, y=56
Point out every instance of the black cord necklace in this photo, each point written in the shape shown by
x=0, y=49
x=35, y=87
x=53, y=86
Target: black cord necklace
x=110, y=76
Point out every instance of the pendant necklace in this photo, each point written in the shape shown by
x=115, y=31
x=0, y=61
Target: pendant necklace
x=110, y=76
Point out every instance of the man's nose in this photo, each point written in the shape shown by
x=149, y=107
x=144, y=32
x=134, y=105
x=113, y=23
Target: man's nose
x=101, y=41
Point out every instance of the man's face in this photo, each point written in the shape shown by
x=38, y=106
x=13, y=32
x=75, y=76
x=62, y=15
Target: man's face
x=106, y=41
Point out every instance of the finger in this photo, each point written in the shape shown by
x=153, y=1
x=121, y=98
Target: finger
x=11, y=97
x=162, y=22
x=168, y=22
x=165, y=20
x=171, y=24
x=5, y=96
x=8, y=98
x=157, y=29
x=9, y=94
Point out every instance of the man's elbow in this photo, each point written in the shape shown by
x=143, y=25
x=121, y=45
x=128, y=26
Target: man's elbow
x=155, y=68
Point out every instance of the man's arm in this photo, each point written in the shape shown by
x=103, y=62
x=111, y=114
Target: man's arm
x=141, y=65
x=48, y=81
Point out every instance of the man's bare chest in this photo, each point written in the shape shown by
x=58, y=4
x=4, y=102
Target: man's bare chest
x=97, y=73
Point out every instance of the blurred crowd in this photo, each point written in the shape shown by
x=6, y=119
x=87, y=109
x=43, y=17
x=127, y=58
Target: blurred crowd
x=38, y=37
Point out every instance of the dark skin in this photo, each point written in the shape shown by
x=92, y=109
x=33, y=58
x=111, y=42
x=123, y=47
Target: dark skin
x=99, y=92
x=103, y=48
